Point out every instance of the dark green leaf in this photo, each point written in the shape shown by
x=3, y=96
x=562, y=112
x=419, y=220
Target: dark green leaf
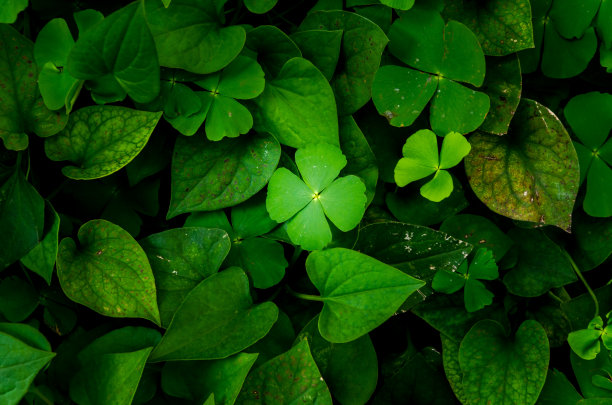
x=586, y=370
x=19, y=299
x=259, y=7
x=531, y=174
x=180, y=259
x=108, y=272
x=291, y=377
x=479, y=231
x=216, y=319
x=558, y=390
x=454, y=375
x=41, y=259
x=321, y=47
x=100, y=140
x=494, y=366
x=210, y=175
x=274, y=48
x=593, y=238
x=263, y=259
x=562, y=58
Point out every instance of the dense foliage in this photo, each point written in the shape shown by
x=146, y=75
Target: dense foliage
x=282, y=202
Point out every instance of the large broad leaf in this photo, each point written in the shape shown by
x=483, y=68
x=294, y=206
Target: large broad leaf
x=181, y=258
x=531, y=174
x=292, y=377
x=108, y=272
x=23, y=109
x=21, y=217
x=273, y=47
x=217, y=319
x=120, y=46
x=494, y=365
x=359, y=293
x=41, y=259
x=450, y=50
x=112, y=365
x=502, y=27
x=209, y=175
x=298, y=106
x=479, y=231
x=100, y=140
x=20, y=362
x=349, y=369
x=321, y=47
x=541, y=264
x=11, y=9
x=196, y=380
x=450, y=358
x=416, y=250
x=362, y=45
x=189, y=35
x=503, y=85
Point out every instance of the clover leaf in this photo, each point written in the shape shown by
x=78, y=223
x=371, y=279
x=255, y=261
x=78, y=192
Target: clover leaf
x=305, y=203
x=586, y=343
x=590, y=117
x=421, y=159
x=476, y=295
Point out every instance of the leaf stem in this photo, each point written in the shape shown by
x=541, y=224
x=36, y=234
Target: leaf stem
x=308, y=297
x=586, y=285
x=39, y=394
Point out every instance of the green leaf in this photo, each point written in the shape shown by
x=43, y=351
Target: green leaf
x=112, y=365
x=487, y=344
x=309, y=228
x=598, y=199
x=287, y=195
x=100, y=140
x=449, y=282
x=479, y=231
x=359, y=292
x=438, y=188
x=415, y=250
x=41, y=259
x=274, y=48
x=21, y=217
x=108, y=272
x=180, y=259
x=319, y=165
x=120, y=46
x=180, y=100
x=210, y=175
x=263, y=259
x=420, y=158
x=344, y=202
x=454, y=148
x=593, y=240
x=585, y=343
x=189, y=35
x=259, y=7
x=400, y=94
x=571, y=20
x=502, y=27
x=450, y=50
x=558, y=390
x=587, y=370
x=349, y=369
x=292, y=377
x=85, y=19
x=455, y=107
x=11, y=9
x=399, y=4
x=321, y=47
x=19, y=365
x=361, y=161
x=242, y=79
x=19, y=299
x=196, y=380
x=53, y=44
x=227, y=118
x=362, y=45
x=298, y=106
x=216, y=319
x=503, y=85
x=23, y=110
x=562, y=58
x=450, y=358
x=531, y=174
x=251, y=218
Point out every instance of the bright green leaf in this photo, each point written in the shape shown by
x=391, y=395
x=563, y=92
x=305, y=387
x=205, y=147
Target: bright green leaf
x=108, y=272
x=319, y=165
x=227, y=118
x=210, y=175
x=100, y=140
x=399, y=4
x=216, y=319
x=438, y=188
x=259, y=7
x=359, y=292
x=420, y=158
x=242, y=79
x=345, y=213
x=309, y=228
x=585, y=343
x=508, y=381
x=287, y=195
x=273, y=47
x=11, y=9
x=454, y=148
x=531, y=174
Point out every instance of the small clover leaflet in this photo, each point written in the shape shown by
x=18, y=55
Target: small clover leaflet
x=590, y=117
x=305, y=203
x=476, y=295
x=586, y=342
x=421, y=159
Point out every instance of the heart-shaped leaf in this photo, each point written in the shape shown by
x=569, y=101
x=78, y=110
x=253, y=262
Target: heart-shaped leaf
x=493, y=364
x=516, y=176
x=216, y=319
x=180, y=259
x=108, y=272
x=100, y=140
x=23, y=109
x=321, y=47
x=210, y=175
x=292, y=377
x=359, y=292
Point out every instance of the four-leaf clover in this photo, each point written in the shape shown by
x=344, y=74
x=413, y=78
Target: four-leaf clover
x=304, y=203
x=421, y=160
x=590, y=117
x=476, y=295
